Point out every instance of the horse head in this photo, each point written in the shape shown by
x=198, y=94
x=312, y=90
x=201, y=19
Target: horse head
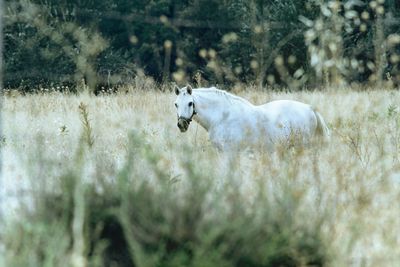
x=185, y=107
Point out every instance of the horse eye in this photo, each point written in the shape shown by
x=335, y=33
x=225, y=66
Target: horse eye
x=190, y=104
x=176, y=105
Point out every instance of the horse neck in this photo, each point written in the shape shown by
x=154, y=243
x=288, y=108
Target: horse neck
x=209, y=107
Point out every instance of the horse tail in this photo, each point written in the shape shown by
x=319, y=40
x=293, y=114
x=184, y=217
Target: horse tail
x=322, y=129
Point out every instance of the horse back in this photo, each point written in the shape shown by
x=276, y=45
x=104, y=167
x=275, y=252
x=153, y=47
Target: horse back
x=285, y=116
x=287, y=108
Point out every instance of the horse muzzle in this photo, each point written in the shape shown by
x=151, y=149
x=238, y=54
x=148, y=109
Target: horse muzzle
x=183, y=124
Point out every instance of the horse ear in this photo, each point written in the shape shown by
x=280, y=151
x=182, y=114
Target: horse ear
x=189, y=89
x=177, y=90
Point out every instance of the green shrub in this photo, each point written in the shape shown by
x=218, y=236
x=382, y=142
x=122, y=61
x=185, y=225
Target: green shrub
x=144, y=217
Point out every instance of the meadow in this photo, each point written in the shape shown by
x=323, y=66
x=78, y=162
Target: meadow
x=109, y=180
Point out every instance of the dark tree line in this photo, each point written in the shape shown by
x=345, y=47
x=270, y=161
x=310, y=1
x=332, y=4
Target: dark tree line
x=110, y=42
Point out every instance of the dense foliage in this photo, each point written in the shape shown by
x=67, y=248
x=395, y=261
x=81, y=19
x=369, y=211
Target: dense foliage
x=293, y=43
x=143, y=217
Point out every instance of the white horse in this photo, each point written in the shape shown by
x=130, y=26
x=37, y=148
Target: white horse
x=233, y=122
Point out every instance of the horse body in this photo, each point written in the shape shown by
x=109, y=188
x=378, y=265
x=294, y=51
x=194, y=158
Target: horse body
x=234, y=122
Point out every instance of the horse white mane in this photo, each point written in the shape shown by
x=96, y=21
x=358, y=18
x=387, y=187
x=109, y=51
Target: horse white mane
x=227, y=96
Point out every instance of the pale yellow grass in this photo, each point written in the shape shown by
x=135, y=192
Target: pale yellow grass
x=354, y=179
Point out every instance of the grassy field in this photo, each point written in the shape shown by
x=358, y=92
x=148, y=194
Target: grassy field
x=123, y=153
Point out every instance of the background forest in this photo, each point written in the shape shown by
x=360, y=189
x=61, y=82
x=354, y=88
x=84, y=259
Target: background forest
x=290, y=43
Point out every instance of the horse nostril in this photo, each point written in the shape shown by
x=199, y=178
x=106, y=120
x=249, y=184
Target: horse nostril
x=182, y=125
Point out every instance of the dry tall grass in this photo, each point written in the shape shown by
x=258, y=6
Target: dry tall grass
x=353, y=182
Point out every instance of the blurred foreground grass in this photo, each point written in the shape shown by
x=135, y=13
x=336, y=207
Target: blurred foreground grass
x=110, y=181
